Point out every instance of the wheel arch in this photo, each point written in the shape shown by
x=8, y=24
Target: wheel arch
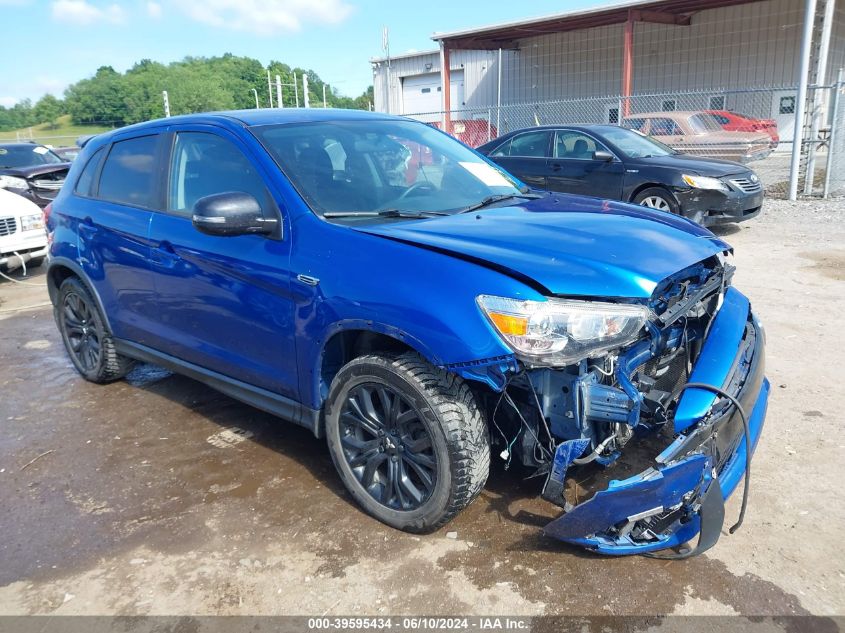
x=61, y=268
x=353, y=339
x=349, y=340
x=652, y=185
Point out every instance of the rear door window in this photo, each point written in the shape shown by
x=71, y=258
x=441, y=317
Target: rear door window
x=527, y=145
x=128, y=175
x=633, y=124
x=664, y=127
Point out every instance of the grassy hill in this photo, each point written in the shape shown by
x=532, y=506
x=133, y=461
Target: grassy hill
x=64, y=134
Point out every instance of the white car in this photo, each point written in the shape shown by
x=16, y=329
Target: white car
x=23, y=240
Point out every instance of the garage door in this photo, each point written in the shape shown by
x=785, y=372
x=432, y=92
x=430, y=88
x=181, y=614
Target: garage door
x=421, y=93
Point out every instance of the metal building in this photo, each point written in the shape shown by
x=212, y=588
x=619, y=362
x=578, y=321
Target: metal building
x=598, y=65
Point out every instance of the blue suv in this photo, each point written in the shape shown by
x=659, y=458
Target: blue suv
x=377, y=282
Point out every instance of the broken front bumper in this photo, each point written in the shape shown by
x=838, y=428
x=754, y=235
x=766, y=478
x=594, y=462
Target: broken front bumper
x=682, y=494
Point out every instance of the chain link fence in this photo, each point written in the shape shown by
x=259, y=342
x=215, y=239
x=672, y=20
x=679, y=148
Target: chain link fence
x=834, y=177
x=753, y=126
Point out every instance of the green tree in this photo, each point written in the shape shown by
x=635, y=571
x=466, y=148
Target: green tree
x=48, y=109
x=18, y=116
x=194, y=84
x=101, y=99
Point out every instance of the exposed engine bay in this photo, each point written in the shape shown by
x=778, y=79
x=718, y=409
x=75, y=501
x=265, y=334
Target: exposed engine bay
x=615, y=418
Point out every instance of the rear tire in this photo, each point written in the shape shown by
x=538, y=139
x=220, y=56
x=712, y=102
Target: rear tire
x=408, y=440
x=87, y=340
x=658, y=198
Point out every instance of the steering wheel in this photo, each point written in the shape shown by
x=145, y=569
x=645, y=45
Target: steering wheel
x=417, y=186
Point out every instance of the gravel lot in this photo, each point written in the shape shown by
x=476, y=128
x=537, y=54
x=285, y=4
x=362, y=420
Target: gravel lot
x=145, y=501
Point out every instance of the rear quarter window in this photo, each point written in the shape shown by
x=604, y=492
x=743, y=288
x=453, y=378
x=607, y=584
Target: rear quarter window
x=85, y=183
x=128, y=175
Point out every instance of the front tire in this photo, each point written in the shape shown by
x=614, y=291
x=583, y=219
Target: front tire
x=87, y=340
x=658, y=198
x=408, y=440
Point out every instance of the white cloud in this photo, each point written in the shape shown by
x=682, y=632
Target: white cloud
x=154, y=10
x=8, y=102
x=265, y=17
x=84, y=13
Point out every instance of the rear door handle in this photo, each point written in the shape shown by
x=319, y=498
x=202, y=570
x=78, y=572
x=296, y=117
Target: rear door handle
x=87, y=228
x=555, y=166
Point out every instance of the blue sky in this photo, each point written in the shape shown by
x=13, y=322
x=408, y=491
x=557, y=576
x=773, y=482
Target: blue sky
x=57, y=42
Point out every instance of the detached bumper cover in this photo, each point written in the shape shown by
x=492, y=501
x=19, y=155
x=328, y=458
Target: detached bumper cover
x=681, y=496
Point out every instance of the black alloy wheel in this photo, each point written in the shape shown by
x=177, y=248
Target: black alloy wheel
x=388, y=447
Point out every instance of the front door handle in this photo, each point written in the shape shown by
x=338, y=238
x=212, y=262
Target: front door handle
x=164, y=254
x=307, y=280
x=555, y=166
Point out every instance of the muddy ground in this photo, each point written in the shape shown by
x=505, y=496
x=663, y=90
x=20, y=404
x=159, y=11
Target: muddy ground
x=157, y=495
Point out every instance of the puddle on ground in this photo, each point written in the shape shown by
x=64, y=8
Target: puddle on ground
x=831, y=264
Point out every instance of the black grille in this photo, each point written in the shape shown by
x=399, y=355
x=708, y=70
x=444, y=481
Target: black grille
x=8, y=226
x=669, y=371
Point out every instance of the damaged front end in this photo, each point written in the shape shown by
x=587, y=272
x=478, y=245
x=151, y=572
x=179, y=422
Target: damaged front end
x=638, y=461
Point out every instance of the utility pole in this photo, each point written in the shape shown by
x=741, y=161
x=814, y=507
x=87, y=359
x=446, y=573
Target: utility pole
x=801, y=99
x=166, y=103
x=385, y=46
x=279, y=102
x=305, y=99
x=255, y=92
x=324, y=96
x=270, y=87
x=821, y=77
x=295, y=90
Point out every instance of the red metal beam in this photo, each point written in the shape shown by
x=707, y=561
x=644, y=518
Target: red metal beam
x=659, y=17
x=627, y=63
x=445, y=85
x=509, y=36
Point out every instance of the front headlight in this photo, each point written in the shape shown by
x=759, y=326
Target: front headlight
x=32, y=222
x=12, y=182
x=562, y=332
x=704, y=182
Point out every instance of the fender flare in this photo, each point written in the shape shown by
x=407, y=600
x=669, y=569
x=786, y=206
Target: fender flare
x=76, y=269
x=378, y=327
x=360, y=325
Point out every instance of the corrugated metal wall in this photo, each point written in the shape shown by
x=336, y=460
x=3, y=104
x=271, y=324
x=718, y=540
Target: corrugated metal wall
x=735, y=47
x=480, y=78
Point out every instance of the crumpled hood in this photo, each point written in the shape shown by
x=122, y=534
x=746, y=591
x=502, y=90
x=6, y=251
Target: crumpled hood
x=35, y=170
x=570, y=245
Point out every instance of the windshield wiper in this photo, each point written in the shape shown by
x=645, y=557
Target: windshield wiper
x=383, y=213
x=486, y=202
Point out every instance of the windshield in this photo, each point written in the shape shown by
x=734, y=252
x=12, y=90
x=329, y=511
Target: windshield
x=636, y=145
x=26, y=156
x=703, y=123
x=367, y=167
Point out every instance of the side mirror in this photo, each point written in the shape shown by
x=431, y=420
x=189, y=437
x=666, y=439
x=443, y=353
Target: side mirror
x=600, y=154
x=231, y=213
